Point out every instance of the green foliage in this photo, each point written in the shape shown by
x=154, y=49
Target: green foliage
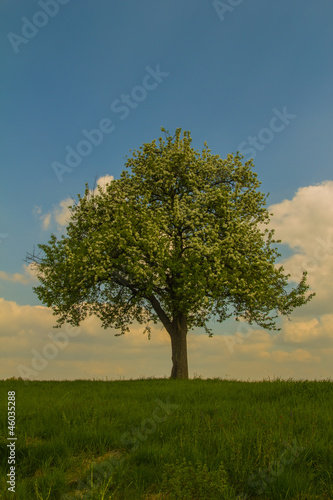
x=180, y=232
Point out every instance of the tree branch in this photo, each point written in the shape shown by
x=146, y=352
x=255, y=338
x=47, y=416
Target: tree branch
x=160, y=312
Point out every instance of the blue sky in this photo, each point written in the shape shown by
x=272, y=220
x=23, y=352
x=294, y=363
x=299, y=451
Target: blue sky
x=227, y=74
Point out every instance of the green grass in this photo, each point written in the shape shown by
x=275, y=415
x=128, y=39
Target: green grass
x=216, y=439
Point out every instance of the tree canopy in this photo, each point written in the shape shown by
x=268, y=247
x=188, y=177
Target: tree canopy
x=181, y=238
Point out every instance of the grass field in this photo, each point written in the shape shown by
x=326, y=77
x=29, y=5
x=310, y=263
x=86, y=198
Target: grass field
x=170, y=439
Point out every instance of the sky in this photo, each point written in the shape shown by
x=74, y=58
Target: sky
x=84, y=83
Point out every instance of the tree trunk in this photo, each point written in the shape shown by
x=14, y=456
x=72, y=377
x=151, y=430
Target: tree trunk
x=178, y=334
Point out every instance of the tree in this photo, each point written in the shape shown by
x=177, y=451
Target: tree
x=179, y=239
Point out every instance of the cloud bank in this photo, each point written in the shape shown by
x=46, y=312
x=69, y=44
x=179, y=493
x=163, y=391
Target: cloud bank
x=30, y=347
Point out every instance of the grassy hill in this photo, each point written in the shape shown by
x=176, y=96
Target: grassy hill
x=172, y=439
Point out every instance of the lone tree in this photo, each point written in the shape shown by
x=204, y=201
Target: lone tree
x=180, y=239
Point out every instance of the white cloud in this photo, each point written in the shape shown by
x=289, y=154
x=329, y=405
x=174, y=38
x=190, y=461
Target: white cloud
x=27, y=337
x=60, y=213
x=305, y=223
x=310, y=331
x=103, y=181
x=28, y=276
x=45, y=218
x=305, y=219
x=46, y=221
